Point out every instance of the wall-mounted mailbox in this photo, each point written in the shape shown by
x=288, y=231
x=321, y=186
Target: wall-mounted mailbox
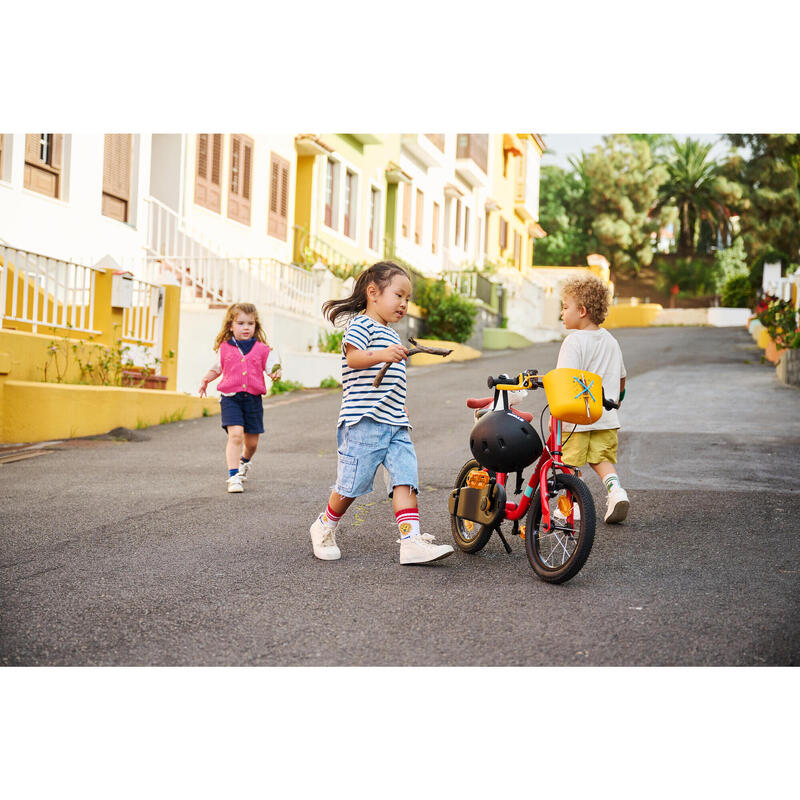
x=121, y=289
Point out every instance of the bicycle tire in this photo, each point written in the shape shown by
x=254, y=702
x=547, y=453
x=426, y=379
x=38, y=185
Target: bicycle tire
x=541, y=546
x=468, y=541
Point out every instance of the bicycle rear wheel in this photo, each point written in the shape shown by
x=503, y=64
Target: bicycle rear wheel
x=469, y=536
x=558, y=554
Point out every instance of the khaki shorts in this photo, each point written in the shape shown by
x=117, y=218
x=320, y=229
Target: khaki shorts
x=590, y=447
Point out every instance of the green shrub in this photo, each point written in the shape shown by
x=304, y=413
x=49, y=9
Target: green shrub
x=731, y=263
x=279, y=387
x=330, y=342
x=329, y=383
x=449, y=316
x=737, y=292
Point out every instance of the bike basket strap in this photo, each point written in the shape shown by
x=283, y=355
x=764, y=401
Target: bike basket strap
x=574, y=395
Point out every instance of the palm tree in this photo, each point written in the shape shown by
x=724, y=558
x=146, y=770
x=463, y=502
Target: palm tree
x=693, y=187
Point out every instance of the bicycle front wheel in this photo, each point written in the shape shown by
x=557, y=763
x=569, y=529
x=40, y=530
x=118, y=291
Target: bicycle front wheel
x=558, y=554
x=469, y=536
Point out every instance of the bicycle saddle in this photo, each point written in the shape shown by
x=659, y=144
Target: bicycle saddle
x=483, y=402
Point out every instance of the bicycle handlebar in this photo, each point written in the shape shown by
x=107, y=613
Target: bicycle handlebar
x=525, y=380
x=529, y=379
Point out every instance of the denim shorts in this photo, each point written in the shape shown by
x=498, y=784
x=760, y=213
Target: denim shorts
x=363, y=447
x=243, y=409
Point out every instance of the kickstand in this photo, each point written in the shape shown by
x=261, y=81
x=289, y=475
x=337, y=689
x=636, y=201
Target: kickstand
x=502, y=539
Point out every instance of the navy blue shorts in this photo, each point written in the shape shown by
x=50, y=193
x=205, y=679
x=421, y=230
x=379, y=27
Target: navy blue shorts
x=243, y=409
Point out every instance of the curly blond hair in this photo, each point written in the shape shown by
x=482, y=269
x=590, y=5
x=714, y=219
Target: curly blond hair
x=591, y=292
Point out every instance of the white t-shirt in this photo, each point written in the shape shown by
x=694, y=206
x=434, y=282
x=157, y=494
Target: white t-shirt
x=599, y=352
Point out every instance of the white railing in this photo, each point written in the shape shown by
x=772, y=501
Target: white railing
x=143, y=320
x=169, y=235
x=46, y=292
x=263, y=281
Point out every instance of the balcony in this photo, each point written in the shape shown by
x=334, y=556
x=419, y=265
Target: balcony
x=423, y=148
x=472, y=158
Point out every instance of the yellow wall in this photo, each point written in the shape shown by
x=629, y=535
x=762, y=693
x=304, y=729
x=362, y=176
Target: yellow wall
x=35, y=412
x=31, y=410
x=501, y=189
x=628, y=316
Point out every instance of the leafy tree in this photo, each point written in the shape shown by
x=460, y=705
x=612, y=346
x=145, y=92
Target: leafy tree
x=769, y=172
x=560, y=202
x=623, y=181
x=731, y=262
x=696, y=189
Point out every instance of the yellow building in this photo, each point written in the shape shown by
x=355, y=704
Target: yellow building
x=512, y=208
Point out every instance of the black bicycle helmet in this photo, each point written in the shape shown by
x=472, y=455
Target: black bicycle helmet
x=503, y=442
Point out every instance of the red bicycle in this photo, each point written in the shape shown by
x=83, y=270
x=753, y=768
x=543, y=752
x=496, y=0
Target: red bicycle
x=560, y=526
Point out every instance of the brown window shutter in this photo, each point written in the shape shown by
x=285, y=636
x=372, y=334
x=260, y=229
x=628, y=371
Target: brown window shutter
x=32, y=148
x=517, y=247
x=418, y=220
x=116, y=175
x=458, y=222
x=486, y=235
x=330, y=193
x=239, y=186
x=435, y=227
x=466, y=228
x=207, y=188
x=503, y=234
x=57, y=155
x=406, y=227
x=43, y=174
x=350, y=190
x=278, y=197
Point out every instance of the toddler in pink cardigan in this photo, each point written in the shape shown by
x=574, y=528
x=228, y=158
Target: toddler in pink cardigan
x=242, y=362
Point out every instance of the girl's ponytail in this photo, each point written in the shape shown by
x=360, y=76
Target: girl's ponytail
x=380, y=274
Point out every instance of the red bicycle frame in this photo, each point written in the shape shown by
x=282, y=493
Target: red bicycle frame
x=551, y=455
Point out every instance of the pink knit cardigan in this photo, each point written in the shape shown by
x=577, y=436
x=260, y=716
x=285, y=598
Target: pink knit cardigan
x=243, y=373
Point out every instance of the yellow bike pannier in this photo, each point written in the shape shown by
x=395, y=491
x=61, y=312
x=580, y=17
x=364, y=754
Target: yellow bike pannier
x=574, y=395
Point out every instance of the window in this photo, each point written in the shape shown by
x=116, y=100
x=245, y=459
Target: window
x=466, y=228
x=207, y=182
x=43, y=152
x=374, y=218
x=278, y=216
x=458, y=223
x=331, y=181
x=116, y=175
x=350, y=203
x=517, y=249
x=435, y=228
x=474, y=146
x=406, y=226
x=241, y=177
x=419, y=217
x=486, y=236
x=503, y=234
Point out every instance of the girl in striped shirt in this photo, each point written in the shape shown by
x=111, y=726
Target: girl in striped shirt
x=373, y=427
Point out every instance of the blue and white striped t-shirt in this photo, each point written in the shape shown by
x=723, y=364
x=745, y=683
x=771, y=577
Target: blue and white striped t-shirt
x=360, y=398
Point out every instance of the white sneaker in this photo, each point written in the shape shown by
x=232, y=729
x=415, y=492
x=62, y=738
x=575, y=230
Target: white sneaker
x=244, y=468
x=235, y=483
x=324, y=542
x=618, y=505
x=420, y=549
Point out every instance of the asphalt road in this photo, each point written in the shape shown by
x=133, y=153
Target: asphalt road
x=132, y=553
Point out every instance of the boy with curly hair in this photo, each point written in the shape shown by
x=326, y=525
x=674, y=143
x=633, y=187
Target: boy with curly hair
x=584, y=303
